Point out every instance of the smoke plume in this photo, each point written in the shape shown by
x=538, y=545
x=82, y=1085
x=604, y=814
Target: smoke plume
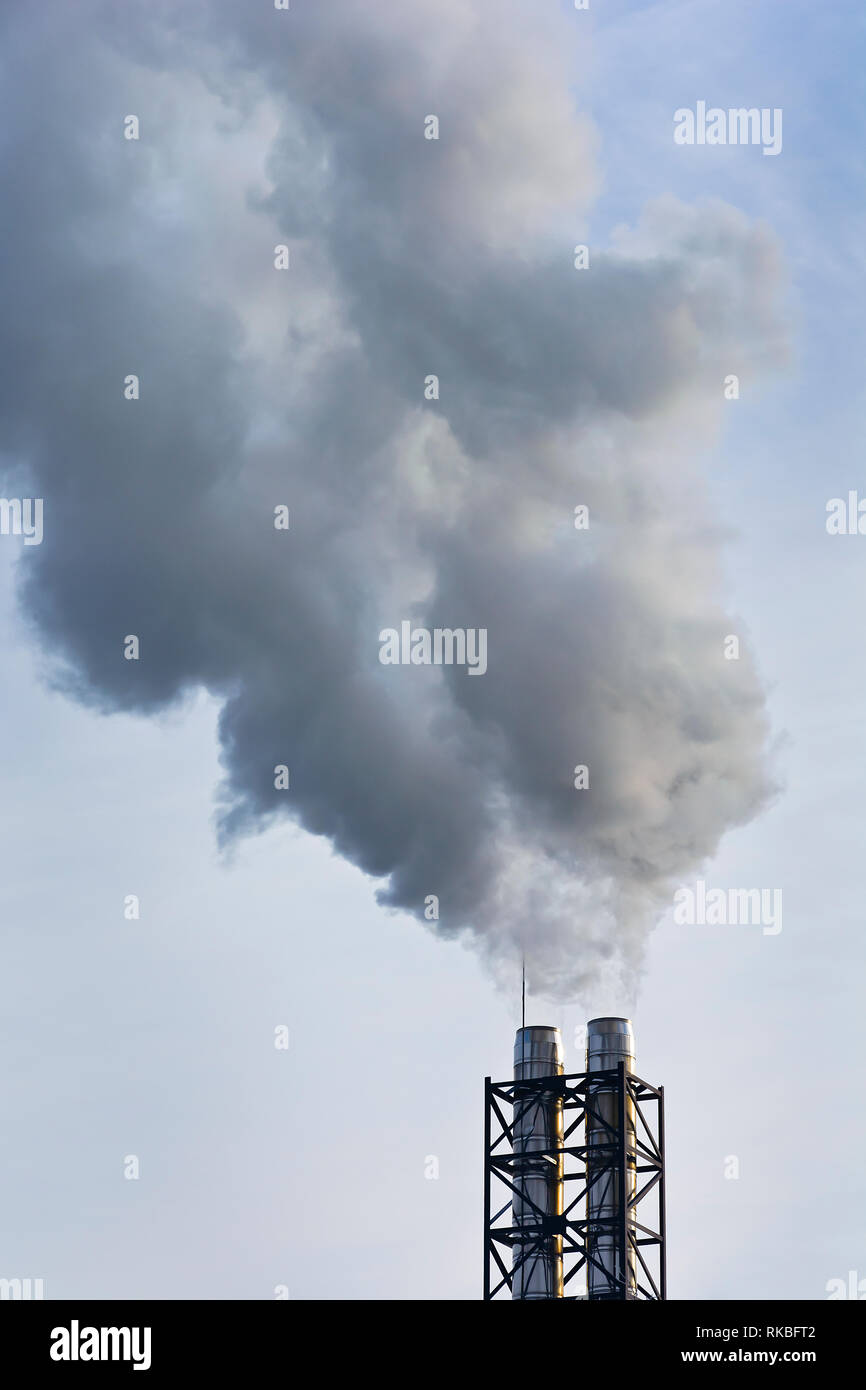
x=558, y=388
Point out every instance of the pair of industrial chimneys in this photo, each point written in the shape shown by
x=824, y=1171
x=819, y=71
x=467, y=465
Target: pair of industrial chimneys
x=538, y=1198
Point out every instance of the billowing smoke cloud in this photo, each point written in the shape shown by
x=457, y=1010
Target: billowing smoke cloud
x=558, y=387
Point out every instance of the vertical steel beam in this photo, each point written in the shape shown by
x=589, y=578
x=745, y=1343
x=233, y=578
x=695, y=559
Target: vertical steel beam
x=623, y=1264
x=663, y=1267
x=486, y=1188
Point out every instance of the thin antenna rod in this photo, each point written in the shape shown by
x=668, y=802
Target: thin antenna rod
x=523, y=996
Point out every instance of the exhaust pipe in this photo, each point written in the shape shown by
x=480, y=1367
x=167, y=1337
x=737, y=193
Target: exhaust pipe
x=609, y=1041
x=536, y=1254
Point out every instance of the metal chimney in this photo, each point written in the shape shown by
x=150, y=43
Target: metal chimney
x=554, y=1140
x=536, y=1174
x=609, y=1042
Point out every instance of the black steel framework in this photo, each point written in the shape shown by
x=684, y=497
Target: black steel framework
x=639, y=1151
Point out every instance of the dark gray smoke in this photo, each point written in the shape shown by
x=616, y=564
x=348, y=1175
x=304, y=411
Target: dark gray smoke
x=558, y=387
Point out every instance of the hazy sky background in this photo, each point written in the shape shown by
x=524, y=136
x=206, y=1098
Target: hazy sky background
x=155, y=1037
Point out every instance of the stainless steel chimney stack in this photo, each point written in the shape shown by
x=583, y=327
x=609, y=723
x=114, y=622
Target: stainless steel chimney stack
x=537, y=1180
x=562, y=1155
x=609, y=1041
